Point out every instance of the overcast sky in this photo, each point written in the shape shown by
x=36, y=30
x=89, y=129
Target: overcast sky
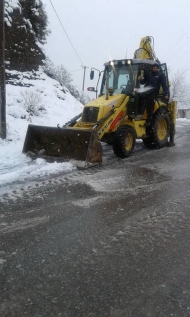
x=101, y=30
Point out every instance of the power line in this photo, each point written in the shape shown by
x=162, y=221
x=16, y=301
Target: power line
x=175, y=53
x=179, y=57
x=66, y=33
x=177, y=42
x=76, y=70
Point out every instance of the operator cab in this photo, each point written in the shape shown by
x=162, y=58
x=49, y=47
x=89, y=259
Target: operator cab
x=119, y=78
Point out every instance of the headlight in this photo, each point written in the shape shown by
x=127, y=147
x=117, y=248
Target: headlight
x=129, y=62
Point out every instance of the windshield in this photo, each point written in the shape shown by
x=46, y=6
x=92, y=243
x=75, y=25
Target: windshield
x=121, y=78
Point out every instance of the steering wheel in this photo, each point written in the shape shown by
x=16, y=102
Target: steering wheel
x=123, y=86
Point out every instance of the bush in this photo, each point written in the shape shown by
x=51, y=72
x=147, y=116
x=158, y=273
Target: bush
x=33, y=103
x=60, y=74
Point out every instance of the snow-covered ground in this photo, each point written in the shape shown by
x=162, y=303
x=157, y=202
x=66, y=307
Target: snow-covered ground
x=53, y=105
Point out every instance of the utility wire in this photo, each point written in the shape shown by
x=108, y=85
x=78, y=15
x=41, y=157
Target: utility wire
x=66, y=33
x=179, y=57
x=75, y=70
x=174, y=55
x=177, y=42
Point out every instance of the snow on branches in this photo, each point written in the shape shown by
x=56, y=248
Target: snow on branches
x=10, y=5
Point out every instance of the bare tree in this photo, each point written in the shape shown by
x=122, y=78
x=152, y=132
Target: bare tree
x=57, y=72
x=179, y=89
x=64, y=78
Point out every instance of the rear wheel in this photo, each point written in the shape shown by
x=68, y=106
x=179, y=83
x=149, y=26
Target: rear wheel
x=158, y=132
x=124, y=141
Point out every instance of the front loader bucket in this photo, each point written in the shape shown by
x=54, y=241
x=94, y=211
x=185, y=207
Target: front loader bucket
x=63, y=144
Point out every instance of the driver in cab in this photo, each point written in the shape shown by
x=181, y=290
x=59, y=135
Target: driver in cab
x=154, y=80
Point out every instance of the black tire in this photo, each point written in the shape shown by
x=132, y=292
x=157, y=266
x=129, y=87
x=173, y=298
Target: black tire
x=158, y=132
x=149, y=143
x=124, y=141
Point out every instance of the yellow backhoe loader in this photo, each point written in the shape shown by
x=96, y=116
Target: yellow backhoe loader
x=118, y=116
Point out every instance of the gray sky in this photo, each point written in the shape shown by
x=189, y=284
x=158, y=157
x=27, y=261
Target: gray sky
x=101, y=30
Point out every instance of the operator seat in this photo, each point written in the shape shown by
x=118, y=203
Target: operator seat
x=128, y=88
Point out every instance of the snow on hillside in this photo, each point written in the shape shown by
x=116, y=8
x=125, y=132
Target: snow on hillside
x=52, y=104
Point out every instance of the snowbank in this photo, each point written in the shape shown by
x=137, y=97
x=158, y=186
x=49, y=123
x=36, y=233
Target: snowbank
x=32, y=98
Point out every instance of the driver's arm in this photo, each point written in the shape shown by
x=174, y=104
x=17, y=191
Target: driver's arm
x=141, y=80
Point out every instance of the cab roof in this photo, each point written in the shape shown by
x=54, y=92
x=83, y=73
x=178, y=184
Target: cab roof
x=131, y=61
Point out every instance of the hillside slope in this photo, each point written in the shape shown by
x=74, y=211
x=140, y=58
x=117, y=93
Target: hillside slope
x=32, y=98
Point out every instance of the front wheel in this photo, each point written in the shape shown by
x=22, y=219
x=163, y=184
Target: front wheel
x=124, y=141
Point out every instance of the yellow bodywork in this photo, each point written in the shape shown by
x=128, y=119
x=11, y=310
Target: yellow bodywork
x=82, y=141
x=118, y=104
x=115, y=105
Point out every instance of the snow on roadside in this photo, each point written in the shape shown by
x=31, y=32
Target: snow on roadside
x=53, y=105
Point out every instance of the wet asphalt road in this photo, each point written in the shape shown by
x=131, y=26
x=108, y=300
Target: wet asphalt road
x=108, y=241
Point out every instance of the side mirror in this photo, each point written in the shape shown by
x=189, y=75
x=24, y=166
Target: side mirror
x=91, y=89
x=92, y=74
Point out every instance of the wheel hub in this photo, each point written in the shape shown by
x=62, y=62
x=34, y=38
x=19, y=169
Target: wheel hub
x=128, y=141
x=162, y=129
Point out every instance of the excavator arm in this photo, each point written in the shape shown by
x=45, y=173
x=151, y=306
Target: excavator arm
x=145, y=50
